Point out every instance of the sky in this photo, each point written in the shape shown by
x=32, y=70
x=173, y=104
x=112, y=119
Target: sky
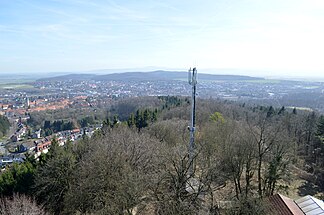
x=254, y=37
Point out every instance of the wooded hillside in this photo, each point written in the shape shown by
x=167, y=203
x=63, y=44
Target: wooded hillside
x=140, y=165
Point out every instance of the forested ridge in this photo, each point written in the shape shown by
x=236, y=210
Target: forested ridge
x=138, y=162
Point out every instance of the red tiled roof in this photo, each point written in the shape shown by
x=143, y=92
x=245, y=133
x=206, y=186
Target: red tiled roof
x=284, y=205
x=81, y=97
x=76, y=130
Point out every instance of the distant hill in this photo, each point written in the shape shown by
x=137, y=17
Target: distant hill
x=149, y=76
x=77, y=77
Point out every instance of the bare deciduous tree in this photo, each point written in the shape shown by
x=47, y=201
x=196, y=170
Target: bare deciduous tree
x=20, y=204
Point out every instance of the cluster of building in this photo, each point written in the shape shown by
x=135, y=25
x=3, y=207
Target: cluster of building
x=7, y=160
x=17, y=105
x=20, y=132
x=11, y=109
x=43, y=145
x=52, y=95
x=114, y=89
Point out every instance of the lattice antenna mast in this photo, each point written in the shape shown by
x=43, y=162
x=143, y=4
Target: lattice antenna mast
x=192, y=79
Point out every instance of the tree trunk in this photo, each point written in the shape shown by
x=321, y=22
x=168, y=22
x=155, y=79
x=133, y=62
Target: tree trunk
x=259, y=175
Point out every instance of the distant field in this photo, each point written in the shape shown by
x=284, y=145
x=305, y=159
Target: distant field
x=15, y=86
x=186, y=80
x=8, y=80
x=201, y=80
x=301, y=108
x=264, y=81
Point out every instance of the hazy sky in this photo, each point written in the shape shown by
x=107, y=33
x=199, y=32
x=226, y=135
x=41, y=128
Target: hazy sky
x=274, y=36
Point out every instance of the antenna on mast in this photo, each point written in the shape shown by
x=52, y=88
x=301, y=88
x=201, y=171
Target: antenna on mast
x=192, y=79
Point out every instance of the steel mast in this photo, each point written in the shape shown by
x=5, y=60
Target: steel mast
x=192, y=79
